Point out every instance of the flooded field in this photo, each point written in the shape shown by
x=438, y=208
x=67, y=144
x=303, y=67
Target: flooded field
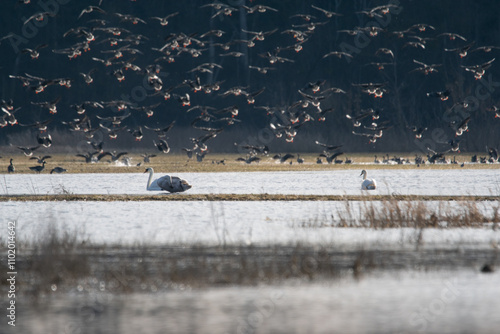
x=454, y=182
x=257, y=266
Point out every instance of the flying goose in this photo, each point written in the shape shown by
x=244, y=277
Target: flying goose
x=327, y=13
x=443, y=95
x=201, y=156
x=462, y=51
x=44, y=140
x=258, y=8
x=328, y=147
x=164, y=20
x=146, y=157
x=249, y=159
x=50, y=105
x=331, y=158
x=89, y=156
x=90, y=9
x=425, y=68
x=40, y=125
x=112, y=132
x=262, y=70
x=496, y=110
x=137, y=133
x=28, y=151
x=41, y=159
x=283, y=158
x=162, y=146
x=419, y=131
x=34, y=52
x=172, y=184
x=452, y=36
x=161, y=132
x=40, y=16
x=114, y=156
x=479, y=70
x=338, y=54
x=385, y=51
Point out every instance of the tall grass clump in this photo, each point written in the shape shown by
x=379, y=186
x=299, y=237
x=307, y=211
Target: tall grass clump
x=394, y=213
x=56, y=257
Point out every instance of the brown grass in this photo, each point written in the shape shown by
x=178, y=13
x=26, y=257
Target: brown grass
x=415, y=213
x=179, y=163
x=242, y=197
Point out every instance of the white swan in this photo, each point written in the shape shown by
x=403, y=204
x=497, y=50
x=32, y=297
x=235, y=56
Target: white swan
x=368, y=184
x=169, y=183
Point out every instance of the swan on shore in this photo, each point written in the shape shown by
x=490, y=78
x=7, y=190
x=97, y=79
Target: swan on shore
x=172, y=184
x=368, y=184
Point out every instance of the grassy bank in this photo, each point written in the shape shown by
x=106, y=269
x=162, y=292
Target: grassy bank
x=170, y=163
x=240, y=197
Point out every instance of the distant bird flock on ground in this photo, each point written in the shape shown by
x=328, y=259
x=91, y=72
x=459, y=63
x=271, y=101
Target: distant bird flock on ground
x=115, y=52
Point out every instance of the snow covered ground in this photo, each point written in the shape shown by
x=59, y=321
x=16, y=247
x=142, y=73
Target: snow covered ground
x=335, y=182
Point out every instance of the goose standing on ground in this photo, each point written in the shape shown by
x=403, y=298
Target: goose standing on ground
x=38, y=169
x=11, y=168
x=368, y=184
x=169, y=183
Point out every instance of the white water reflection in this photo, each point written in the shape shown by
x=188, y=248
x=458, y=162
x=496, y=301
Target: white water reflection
x=335, y=182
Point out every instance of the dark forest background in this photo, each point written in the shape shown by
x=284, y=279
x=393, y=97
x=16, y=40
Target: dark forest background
x=404, y=104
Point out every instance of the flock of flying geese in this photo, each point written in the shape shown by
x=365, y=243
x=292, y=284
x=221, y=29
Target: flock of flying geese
x=116, y=48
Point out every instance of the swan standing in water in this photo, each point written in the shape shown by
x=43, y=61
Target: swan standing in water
x=368, y=184
x=169, y=183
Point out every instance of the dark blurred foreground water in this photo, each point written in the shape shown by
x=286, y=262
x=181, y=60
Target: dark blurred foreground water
x=431, y=291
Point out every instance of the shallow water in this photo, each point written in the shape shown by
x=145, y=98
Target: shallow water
x=238, y=222
x=459, y=301
x=335, y=182
x=437, y=301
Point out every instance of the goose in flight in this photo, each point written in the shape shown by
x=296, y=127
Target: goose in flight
x=164, y=20
x=28, y=151
x=172, y=184
x=90, y=157
x=327, y=13
x=114, y=156
x=39, y=16
x=249, y=159
x=146, y=157
x=41, y=159
x=368, y=184
x=283, y=158
x=90, y=9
